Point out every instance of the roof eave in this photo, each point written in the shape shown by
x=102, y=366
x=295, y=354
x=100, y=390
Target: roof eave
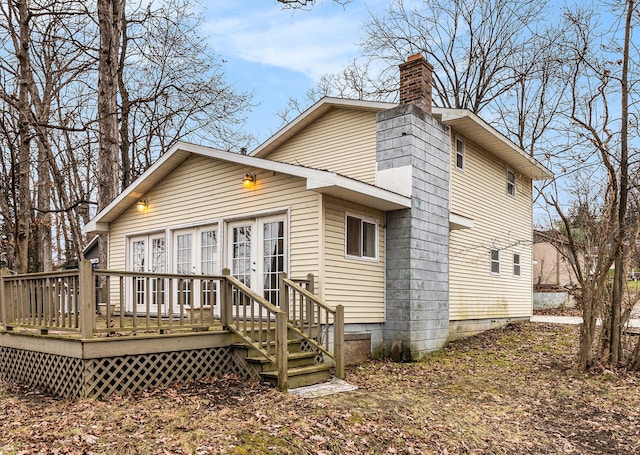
x=517, y=158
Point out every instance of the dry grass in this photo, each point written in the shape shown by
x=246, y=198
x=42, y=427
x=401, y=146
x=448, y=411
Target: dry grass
x=506, y=391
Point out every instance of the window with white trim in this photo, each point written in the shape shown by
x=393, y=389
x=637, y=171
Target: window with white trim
x=361, y=238
x=495, y=261
x=511, y=182
x=516, y=264
x=459, y=153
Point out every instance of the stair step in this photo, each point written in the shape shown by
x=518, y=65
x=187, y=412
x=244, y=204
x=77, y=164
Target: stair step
x=294, y=359
x=293, y=345
x=301, y=376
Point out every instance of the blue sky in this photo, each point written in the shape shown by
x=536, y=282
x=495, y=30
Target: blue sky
x=279, y=53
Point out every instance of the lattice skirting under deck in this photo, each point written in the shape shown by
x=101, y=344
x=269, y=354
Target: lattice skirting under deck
x=69, y=377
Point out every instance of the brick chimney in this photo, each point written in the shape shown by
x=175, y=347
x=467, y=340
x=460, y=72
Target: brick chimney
x=416, y=82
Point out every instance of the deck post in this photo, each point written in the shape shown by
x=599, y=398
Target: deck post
x=312, y=289
x=3, y=299
x=338, y=340
x=86, y=305
x=281, y=351
x=284, y=293
x=225, y=299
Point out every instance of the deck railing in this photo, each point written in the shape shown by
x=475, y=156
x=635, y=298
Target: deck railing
x=312, y=318
x=139, y=302
x=47, y=301
x=146, y=301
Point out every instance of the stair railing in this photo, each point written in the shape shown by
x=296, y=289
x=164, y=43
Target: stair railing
x=313, y=319
x=259, y=323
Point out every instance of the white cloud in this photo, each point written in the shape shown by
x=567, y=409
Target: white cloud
x=312, y=43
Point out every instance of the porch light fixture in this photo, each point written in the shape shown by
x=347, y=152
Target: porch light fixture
x=141, y=205
x=248, y=181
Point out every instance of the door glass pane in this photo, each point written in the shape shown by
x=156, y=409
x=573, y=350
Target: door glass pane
x=138, y=256
x=158, y=256
x=184, y=265
x=183, y=253
x=273, y=259
x=158, y=264
x=208, y=264
x=208, y=253
x=138, y=259
x=241, y=260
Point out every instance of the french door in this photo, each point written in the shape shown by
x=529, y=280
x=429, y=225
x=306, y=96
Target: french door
x=196, y=252
x=257, y=253
x=148, y=254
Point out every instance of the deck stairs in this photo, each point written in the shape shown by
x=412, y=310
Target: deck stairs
x=305, y=367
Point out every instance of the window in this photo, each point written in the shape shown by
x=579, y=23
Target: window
x=511, y=183
x=459, y=153
x=516, y=264
x=361, y=238
x=495, y=260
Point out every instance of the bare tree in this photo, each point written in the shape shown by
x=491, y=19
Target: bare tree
x=598, y=137
x=172, y=88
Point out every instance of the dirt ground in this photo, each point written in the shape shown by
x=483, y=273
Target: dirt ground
x=509, y=391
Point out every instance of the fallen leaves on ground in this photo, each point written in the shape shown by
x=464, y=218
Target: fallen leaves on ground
x=512, y=390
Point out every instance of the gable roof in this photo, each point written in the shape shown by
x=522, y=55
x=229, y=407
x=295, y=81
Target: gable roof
x=317, y=180
x=311, y=114
x=462, y=120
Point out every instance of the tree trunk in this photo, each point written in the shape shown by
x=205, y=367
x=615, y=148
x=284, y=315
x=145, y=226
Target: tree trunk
x=23, y=166
x=109, y=20
x=42, y=241
x=619, y=273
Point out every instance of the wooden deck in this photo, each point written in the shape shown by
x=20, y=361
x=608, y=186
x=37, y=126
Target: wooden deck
x=155, y=329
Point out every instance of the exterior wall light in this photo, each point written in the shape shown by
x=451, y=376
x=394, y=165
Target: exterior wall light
x=249, y=181
x=141, y=205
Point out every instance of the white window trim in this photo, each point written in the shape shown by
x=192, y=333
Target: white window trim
x=519, y=264
x=377, y=240
x=464, y=153
x=491, y=261
x=515, y=180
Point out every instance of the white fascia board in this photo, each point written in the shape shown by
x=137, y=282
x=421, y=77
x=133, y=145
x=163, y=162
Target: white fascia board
x=359, y=192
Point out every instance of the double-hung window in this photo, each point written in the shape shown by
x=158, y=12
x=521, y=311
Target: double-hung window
x=516, y=264
x=495, y=261
x=511, y=182
x=361, y=238
x=459, y=153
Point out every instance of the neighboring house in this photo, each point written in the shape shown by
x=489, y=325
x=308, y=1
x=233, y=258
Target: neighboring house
x=417, y=219
x=92, y=252
x=552, y=267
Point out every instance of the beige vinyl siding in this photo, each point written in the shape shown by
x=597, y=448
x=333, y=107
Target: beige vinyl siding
x=203, y=190
x=341, y=141
x=358, y=284
x=500, y=220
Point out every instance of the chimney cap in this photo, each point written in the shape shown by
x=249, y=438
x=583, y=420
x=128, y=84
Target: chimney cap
x=417, y=56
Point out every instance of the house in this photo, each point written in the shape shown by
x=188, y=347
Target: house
x=552, y=267
x=416, y=219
